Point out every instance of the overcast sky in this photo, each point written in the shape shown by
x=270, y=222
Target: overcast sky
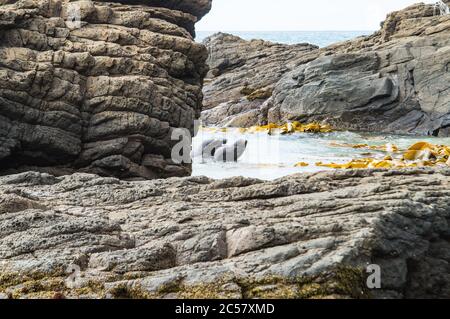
x=299, y=15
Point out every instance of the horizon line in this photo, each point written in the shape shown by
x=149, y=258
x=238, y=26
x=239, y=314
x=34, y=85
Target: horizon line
x=285, y=30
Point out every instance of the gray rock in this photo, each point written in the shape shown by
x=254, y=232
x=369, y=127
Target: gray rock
x=392, y=81
x=242, y=76
x=159, y=238
x=347, y=87
x=196, y=7
x=394, y=87
x=103, y=96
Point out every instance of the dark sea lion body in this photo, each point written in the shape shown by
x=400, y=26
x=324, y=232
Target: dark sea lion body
x=209, y=148
x=231, y=153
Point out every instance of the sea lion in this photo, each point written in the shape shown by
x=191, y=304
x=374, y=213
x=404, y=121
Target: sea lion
x=231, y=153
x=208, y=148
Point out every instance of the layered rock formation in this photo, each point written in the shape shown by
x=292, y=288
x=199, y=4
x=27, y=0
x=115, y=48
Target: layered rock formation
x=103, y=96
x=396, y=80
x=310, y=235
x=243, y=74
x=98, y=86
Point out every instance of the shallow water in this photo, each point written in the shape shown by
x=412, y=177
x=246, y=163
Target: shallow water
x=270, y=157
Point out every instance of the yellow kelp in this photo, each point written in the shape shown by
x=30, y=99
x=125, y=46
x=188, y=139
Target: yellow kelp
x=426, y=151
x=274, y=129
x=301, y=164
x=290, y=128
x=213, y=129
x=373, y=163
x=421, y=154
x=386, y=148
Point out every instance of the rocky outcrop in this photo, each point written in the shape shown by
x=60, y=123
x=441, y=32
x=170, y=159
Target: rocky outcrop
x=396, y=80
x=243, y=74
x=196, y=7
x=98, y=86
x=302, y=236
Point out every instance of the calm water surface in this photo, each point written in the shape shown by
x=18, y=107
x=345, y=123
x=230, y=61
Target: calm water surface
x=270, y=157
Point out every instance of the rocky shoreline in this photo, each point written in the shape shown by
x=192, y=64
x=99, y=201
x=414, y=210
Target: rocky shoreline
x=306, y=235
x=394, y=81
x=92, y=206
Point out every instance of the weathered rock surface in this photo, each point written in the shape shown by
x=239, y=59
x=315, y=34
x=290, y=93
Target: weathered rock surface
x=396, y=80
x=102, y=95
x=309, y=235
x=243, y=74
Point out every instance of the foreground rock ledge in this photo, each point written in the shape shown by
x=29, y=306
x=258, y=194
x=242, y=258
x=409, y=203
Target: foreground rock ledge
x=302, y=236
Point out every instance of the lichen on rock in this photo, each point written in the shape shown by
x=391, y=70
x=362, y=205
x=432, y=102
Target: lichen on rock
x=283, y=238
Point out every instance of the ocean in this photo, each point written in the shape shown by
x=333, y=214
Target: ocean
x=320, y=38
